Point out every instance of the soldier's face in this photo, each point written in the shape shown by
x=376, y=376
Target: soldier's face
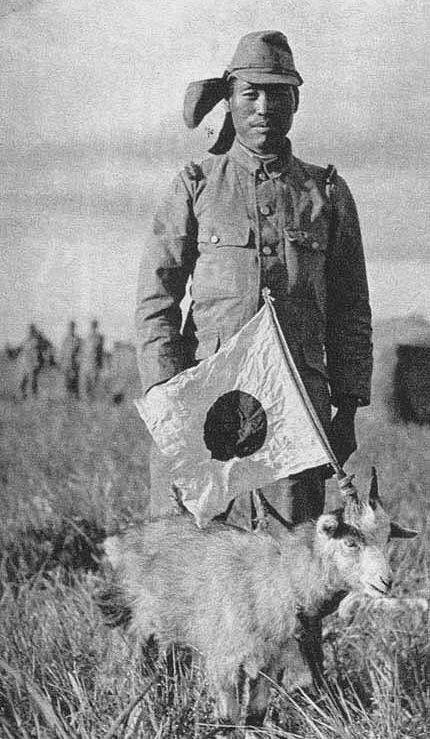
x=262, y=114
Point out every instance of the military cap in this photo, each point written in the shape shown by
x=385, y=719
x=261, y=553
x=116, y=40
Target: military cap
x=261, y=57
x=264, y=57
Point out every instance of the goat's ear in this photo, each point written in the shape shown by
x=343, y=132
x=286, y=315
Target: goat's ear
x=398, y=532
x=327, y=524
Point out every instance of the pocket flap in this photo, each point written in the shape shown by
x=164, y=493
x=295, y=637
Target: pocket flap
x=225, y=234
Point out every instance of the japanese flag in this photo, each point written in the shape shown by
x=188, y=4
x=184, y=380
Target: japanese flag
x=236, y=421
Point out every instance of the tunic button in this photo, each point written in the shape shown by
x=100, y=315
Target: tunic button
x=267, y=251
x=214, y=239
x=265, y=210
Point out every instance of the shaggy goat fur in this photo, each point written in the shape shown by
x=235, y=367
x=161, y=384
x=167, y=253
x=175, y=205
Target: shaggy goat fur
x=236, y=597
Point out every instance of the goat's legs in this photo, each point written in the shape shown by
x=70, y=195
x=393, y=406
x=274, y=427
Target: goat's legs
x=228, y=706
x=309, y=636
x=258, y=695
x=242, y=703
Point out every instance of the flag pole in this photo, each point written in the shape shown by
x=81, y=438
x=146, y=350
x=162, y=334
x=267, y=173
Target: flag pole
x=340, y=474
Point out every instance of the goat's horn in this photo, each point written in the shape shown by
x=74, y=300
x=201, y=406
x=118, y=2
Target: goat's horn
x=347, y=489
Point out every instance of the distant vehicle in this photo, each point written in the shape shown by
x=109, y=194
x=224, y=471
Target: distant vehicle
x=411, y=383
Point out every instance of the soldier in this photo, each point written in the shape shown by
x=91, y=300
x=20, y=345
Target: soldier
x=31, y=359
x=69, y=360
x=91, y=360
x=251, y=216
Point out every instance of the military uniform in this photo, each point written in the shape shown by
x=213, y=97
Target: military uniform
x=237, y=223
x=70, y=360
x=31, y=361
x=91, y=361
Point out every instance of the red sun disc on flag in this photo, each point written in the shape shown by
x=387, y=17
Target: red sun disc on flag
x=235, y=426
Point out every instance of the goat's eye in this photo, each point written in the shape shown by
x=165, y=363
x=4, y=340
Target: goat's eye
x=350, y=542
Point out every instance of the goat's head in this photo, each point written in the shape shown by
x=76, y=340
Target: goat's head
x=354, y=540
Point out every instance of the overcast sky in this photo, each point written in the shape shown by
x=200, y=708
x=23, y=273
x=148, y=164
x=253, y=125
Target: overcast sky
x=91, y=94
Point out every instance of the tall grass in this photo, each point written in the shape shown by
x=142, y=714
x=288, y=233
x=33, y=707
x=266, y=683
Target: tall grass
x=63, y=459
x=63, y=673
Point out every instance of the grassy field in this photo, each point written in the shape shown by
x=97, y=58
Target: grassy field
x=70, y=472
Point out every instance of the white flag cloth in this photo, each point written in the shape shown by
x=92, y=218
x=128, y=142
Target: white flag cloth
x=233, y=423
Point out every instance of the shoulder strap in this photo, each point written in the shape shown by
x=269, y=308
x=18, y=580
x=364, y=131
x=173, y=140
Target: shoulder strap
x=330, y=189
x=330, y=180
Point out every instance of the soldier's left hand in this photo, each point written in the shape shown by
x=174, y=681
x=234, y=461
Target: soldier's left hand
x=342, y=433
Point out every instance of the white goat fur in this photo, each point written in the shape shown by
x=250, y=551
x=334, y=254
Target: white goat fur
x=234, y=595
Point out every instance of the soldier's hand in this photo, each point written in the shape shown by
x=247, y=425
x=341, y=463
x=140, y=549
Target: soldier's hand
x=342, y=433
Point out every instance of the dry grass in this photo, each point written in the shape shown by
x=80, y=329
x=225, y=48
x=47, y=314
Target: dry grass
x=64, y=674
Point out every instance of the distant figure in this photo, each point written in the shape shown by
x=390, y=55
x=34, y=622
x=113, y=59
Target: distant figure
x=47, y=350
x=70, y=359
x=92, y=357
x=31, y=362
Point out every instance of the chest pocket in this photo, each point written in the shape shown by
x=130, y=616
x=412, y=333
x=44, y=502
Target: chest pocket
x=226, y=266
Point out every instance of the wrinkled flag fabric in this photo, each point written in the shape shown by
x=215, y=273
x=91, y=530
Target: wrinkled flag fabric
x=234, y=422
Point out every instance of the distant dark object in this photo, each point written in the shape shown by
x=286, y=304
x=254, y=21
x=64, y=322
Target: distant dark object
x=411, y=384
x=45, y=349
x=36, y=354
x=118, y=398
x=91, y=360
x=70, y=360
x=27, y=361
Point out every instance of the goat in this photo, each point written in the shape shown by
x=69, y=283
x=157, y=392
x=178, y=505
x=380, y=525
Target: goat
x=236, y=596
